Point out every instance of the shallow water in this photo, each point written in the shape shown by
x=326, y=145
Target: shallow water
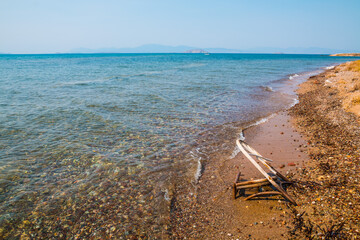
x=93, y=144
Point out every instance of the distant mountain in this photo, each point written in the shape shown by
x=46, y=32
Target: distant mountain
x=157, y=48
x=223, y=50
x=153, y=48
x=149, y=48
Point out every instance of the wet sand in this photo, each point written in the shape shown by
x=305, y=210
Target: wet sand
x=214, y=213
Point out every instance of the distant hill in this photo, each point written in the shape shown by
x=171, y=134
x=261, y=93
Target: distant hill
x=149, y=48
x=223, y=50
x=157, y=48
x=153, y=48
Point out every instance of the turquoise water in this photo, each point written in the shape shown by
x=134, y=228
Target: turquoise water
x=92, y=143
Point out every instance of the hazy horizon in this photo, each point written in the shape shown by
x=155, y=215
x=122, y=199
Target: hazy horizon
x=39, y=26
x=157, y=48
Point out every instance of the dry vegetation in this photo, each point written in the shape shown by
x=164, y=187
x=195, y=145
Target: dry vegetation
x=346, y=80
x=354, y=66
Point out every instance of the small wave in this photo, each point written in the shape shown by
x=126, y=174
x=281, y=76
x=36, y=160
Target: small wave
x=267, y=88
x=242, y=136
x=329, y=67
x=262, y=120
x=236, y=150
x=81, y=83
x=293, y=76
x=140, y=74
x=191, y=65
x=295, y=101
x=198, y=171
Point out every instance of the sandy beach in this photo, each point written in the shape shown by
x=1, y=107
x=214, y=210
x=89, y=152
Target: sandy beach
x=215, y=214
x=316, y=143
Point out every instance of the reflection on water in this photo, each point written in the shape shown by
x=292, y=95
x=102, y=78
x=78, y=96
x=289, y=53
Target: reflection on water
x=92, y=145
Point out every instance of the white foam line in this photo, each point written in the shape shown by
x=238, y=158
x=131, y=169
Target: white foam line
x=235, y=152
x=263, y=120
x=242, y=136
x=296, y=101
x=198, y=172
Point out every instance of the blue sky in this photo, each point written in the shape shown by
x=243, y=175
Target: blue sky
x=42, y=26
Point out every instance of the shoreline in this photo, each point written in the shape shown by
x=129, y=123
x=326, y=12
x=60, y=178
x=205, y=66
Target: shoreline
x=213, y=213
x=216, y=214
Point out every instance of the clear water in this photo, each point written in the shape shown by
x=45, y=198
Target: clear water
x=91, y=144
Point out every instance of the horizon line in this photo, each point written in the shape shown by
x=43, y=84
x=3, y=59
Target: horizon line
x=73, y=53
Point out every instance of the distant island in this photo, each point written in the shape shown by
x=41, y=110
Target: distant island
x=345, y=55
x=156, y=48
x=196, y=51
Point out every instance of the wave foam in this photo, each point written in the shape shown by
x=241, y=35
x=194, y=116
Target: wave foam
x=242, y=136
x=262, y=120
x=198, y=172
x=293, y=76
x=236, y=150
x=295, y=101
x=267, y=88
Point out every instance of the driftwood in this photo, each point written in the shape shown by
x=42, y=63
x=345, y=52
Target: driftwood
x=276, y=181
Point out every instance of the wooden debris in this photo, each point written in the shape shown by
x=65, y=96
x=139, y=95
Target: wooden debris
x=276, y=182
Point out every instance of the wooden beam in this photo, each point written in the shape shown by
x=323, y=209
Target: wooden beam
x=263, y=193
x=246, y=149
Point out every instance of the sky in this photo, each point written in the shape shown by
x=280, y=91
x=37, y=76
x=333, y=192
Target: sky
x=48, y=26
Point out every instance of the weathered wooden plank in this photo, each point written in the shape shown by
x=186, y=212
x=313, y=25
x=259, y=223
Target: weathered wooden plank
x=252, y=185
x=254, y=181
x=246, y=150
x=262, y=194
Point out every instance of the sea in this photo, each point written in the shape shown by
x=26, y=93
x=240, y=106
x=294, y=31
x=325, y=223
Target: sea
x=95, y=145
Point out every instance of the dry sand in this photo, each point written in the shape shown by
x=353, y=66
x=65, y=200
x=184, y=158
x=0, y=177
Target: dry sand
x=330, y=191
